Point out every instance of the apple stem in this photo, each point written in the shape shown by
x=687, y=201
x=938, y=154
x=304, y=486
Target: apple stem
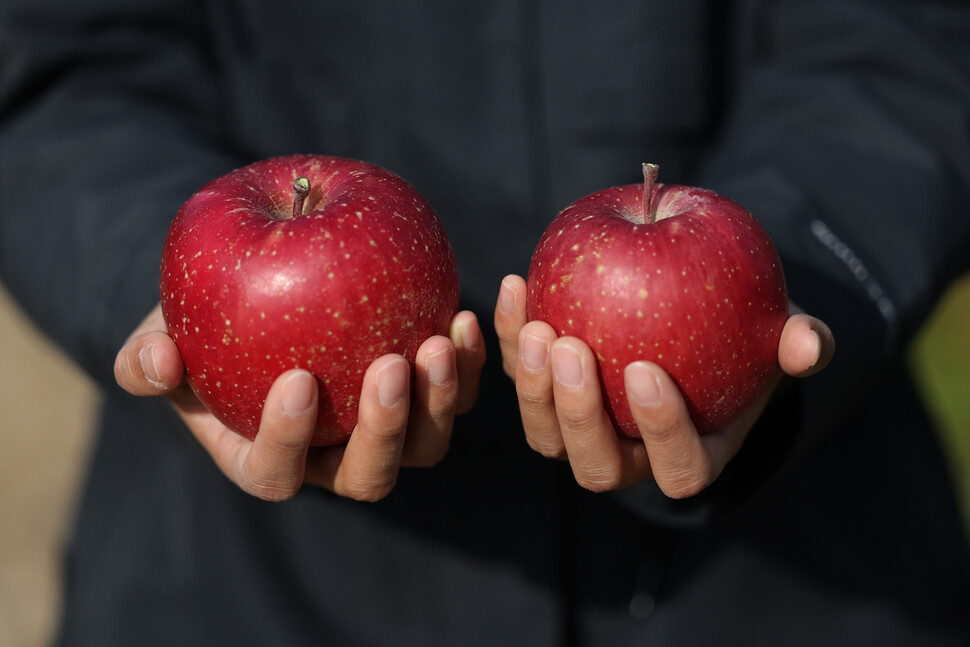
x=650, y=174
x=301, y=189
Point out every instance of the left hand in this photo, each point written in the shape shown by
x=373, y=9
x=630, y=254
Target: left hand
x=393, y=430
x=562, y=410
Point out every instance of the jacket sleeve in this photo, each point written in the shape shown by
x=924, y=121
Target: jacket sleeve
x=106, y=127
x=846, y=135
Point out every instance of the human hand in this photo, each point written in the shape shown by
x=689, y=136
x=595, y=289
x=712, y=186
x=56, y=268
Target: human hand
x=561, y=404
x=393, y=430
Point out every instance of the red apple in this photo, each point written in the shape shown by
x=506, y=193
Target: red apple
x=676, y=275
x=308, y=261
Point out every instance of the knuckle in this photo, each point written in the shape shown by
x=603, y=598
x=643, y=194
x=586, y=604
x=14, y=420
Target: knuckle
x=507, y=334
x=367, y=491
x=441, y=407
x=291, y=444
x=684, y=485
x=598, y=480
x=533, y=400
x=284, y=440
x=662, y=430
x=274, y=490
x=580, y=421
x=387, y=432
x=531, y=396
x=548, y=448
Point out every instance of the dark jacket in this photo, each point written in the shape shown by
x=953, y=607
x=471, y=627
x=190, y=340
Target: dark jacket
x=841, y=125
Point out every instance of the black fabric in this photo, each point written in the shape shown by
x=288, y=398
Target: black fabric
x=841, y=125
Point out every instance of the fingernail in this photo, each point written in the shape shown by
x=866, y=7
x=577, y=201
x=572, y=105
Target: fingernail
x=506, y=299
x=534, y=351
x=149, y=365
x=642, y=384
x=567, y=367
x=816, y=349
x=297, y=394
x=391, y=389
x=438, y=366
x=465, y=334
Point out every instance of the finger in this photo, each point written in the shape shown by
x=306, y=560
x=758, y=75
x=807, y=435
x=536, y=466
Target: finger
x=148, y=365
x=533, y=386
x=470, y=354
x=600, y=460
x=433, y=410
x=806, y=346
x=682, y=464
x=510, y=316
x=149, y=362
x=275, y=462
x=369, y=465
x=270, y=467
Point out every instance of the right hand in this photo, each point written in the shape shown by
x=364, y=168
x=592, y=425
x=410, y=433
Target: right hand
x=392, y=430
x=560, y=400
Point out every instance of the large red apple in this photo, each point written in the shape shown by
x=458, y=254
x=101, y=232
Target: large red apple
x=676, y=275
x=308, y=261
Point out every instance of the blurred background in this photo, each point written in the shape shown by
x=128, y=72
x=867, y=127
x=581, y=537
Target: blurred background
x=47, y=409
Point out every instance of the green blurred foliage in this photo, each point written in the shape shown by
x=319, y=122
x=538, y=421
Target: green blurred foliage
x=940, y=360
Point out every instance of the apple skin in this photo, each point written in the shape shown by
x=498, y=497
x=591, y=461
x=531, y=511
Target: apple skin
x=700, y=291
x=250, y=290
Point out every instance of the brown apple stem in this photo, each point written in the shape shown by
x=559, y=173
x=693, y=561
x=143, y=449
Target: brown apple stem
x=650, y=174
x=301, y=189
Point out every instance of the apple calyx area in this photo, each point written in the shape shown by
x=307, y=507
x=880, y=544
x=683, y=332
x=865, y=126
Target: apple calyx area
x=648, y=213
x=301, y=189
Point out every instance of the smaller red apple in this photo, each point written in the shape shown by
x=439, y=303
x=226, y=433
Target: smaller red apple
x=676, y=275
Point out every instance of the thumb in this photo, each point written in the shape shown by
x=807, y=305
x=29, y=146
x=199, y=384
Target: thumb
x=149, y=362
